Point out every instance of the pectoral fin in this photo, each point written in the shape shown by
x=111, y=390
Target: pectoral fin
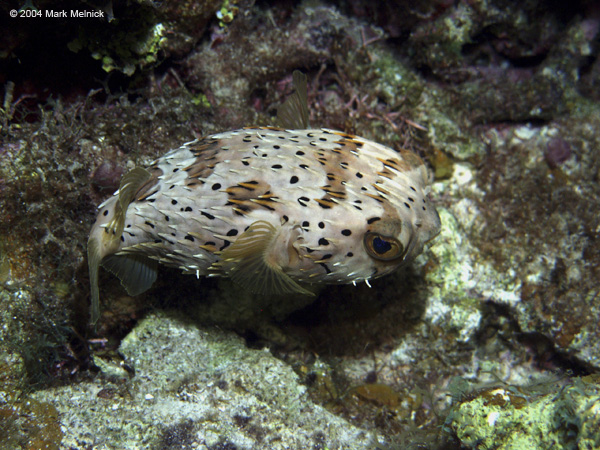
x=130, y=184
x=248, y=262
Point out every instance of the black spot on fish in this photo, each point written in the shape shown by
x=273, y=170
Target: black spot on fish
x=276, y=147
x=357, y=207
x=149, y=224
x=207, y=215
x=293, y=180
x=346, y=232
x=129, y=226
x=303, y=200
x=172, y=186
x=189, y=238
x=175, y=170
x=300, y=153
x=373, y=220
x=303, y=166
x=323, y=139
x=122, y=239
x=424, y=209
x=323, y=241
x=327, y=269
x=321, y=225
x=247, y=139
x=286, y=218
x=276, y=166
x=131, y=234
x=167, y=218
x=359, y=175
x=413, y=189
x=281, y=137
x=327, y=256
x=410, y=199
x=246, y=163
x=173, y=202
x=216, y=186
x=105, y=213
x=407, y=205
x=225, y=245
x=157, y=241
x=349, y=254
x=306, y=224
x=232, y=232
x=188, y=208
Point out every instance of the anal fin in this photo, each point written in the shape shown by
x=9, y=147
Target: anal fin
x=247, y=262
x=136, y=272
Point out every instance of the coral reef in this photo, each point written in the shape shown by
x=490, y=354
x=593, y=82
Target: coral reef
x=455, y=351
x=537, y=416
x=190, y=388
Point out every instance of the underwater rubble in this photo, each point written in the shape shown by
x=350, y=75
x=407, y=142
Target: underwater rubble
x=494, y=328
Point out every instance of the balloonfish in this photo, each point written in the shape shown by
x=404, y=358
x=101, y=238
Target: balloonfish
x=278, y=210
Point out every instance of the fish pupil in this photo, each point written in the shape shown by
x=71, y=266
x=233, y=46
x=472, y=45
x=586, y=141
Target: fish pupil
x=380, y=246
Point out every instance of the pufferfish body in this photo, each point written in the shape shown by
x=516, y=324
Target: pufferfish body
x=278, y=210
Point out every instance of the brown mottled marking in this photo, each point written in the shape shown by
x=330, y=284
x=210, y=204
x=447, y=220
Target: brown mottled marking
x=344, y=135
x=333, y=165
x=204, y=145
x=325, y=202
x=206, y=152
x=334, y=194
x=248, y=195
x=396, y=164
x=147, y=189
x=380, y=189
x=385, y=173
x=379, y=198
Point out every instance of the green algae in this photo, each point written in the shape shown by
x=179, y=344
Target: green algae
x=510, y=419
x=461, y=279
x=130, y=47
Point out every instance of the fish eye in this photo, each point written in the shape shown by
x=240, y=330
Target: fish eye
x=384, y=248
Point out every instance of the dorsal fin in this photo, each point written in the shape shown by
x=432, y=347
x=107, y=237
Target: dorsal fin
x=293, y=114
x=247, y=262
x=130, y=184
